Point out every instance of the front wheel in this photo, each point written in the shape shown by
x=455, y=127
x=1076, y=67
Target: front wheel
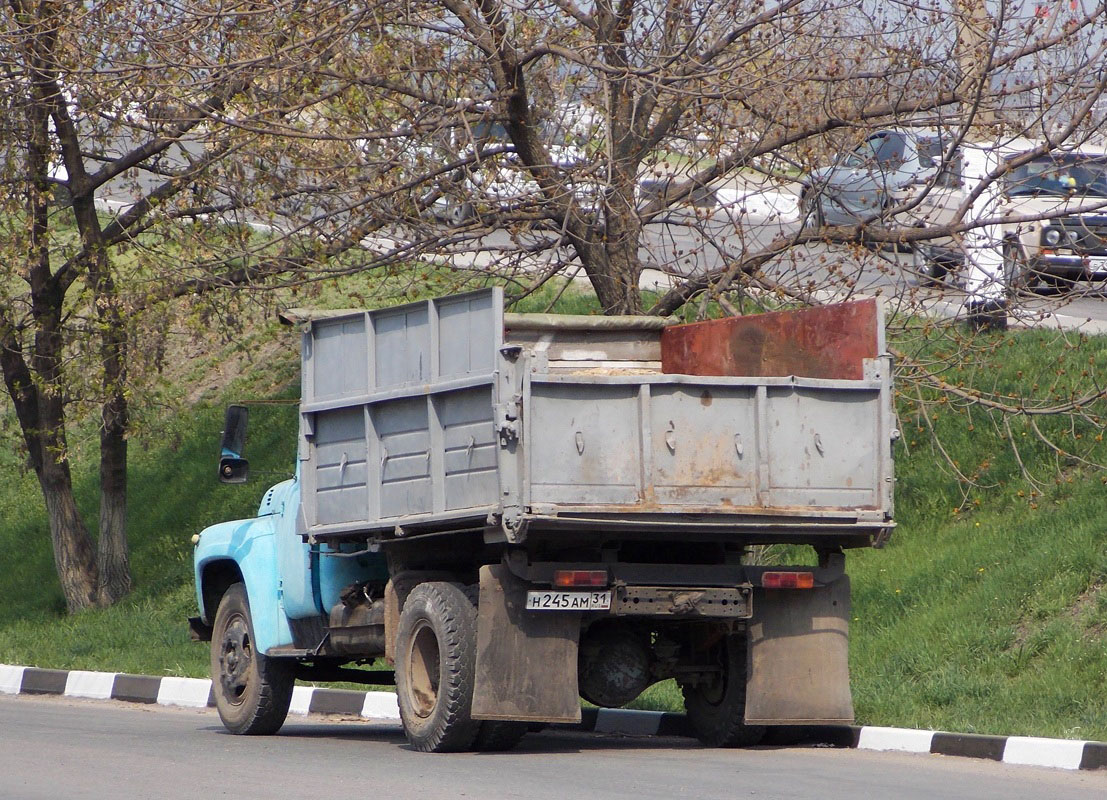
x=930, y=269
x=252, y=692
x=435, y=668
x=717, y=709
x=811, y=210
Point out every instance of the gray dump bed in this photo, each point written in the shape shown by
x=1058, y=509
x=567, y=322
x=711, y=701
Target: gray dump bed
x=452, y=415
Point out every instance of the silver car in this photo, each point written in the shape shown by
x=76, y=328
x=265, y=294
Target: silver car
x=891, y=168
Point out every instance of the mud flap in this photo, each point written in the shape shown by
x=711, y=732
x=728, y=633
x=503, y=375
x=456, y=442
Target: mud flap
x=799, y=657
x=526, y=663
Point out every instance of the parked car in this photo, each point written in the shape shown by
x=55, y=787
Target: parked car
x=1063, y=193
x=890, y=168
x=500, y=182
x=1067, y=193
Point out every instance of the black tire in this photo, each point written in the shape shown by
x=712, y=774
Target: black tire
x=928, y=266
x=435, y=657
x=495, y=736
x=717, y=711
x=252, y=692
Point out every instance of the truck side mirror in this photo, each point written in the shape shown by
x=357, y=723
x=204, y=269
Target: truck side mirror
x=233, y=468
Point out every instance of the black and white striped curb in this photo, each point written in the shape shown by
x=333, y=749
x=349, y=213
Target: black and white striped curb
x=197, y=693
x=184, y=692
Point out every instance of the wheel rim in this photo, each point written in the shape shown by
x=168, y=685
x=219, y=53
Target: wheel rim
x=423, y=669
x=810, y=211
x=236, y=656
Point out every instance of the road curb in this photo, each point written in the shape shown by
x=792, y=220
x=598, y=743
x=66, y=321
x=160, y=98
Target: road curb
x=197, y=693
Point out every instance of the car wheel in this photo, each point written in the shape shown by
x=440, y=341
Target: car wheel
x=717, y=710
x=930, y=269
x=435, y=660
x=252, y=692
x=811, y=211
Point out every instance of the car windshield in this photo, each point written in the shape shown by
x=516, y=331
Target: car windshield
x=1060, y=175
x=492, y=131
x=885, y=149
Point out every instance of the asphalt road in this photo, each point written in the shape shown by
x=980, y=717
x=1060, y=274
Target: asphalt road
x=53, y=748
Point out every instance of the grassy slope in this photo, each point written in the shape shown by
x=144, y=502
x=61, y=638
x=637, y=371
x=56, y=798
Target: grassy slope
x=990, y=619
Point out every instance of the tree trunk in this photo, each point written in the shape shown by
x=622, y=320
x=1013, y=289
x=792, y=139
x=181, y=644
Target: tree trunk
x=42, y=420
x=73, y=555
x=611, y=262
x=112, y=557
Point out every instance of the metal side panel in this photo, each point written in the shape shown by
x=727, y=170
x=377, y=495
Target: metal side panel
x=799, y=657
x=702, y=443
x=823, y=447
x=831, y=341
x=334, y=359
x=401, y=346
x=583, y=443
x=659, y=445
x=339, y=459
x=404, y=440
x=526, y=663
x=470, y=331
x=468, y=448
x=397, y=409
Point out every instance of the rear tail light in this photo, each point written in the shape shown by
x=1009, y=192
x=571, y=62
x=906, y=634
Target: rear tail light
x=580, y=577
x=788, y=580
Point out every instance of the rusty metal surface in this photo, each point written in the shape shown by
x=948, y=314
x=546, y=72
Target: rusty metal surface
x=669, y=601
x=526, y=662
x=825, y=342
x=799, y=656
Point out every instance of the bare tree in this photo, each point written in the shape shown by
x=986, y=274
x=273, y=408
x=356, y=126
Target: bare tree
x=129, y=148
x=155, y=155
x=633, y=141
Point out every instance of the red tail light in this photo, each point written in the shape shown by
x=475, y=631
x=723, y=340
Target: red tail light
x=580, y=577
x=788, y=580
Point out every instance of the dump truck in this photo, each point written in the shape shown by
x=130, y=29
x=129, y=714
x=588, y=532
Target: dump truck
x=518, y=511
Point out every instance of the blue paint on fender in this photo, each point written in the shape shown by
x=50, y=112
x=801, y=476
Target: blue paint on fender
x=252, y=545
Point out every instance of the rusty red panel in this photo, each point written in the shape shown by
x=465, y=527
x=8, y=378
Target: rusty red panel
x=824, y=342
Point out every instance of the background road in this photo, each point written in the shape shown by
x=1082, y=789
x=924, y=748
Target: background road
x=53, y=748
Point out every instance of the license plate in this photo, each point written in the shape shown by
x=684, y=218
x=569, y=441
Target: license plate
x=568, y=601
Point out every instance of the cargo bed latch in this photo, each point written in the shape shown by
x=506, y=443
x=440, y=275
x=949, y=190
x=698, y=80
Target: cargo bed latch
x=507, y=420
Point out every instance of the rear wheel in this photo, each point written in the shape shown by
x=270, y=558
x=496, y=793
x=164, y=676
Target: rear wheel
x=435, y=657
x=717, y=709
x=252, y=692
